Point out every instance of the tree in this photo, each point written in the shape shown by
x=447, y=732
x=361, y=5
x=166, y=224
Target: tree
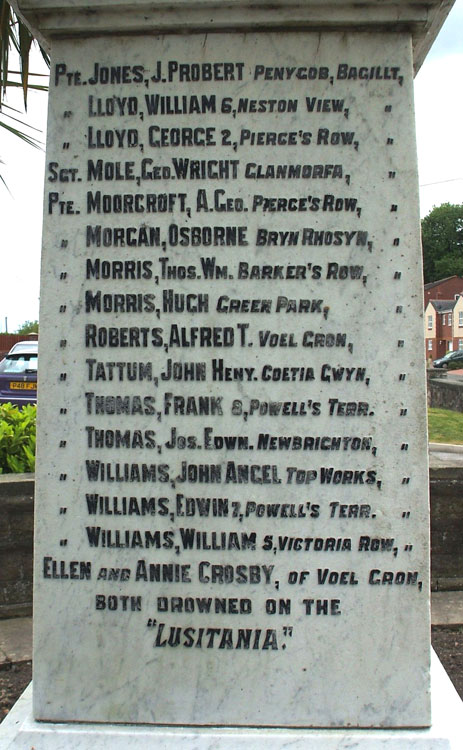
x=442, y=239
x=16, y=37
x=30, y=326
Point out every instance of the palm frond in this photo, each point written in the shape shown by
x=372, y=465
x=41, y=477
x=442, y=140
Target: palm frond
x=45, y=56
x=15, y=37
x=32, y=86
x=15, y=119
x=20, y=134
x=25, y=41
x=2, y=180
x=5, y=14
x=36, y=75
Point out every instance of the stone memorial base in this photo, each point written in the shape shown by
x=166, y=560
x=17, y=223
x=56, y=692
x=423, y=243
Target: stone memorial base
x=19, y=731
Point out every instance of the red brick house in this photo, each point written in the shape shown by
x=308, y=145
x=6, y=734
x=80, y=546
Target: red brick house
x=443, y=327
x=444, y=289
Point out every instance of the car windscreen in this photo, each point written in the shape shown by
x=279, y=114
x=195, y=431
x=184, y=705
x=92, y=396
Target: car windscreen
x=21, y=346
x=19, y=363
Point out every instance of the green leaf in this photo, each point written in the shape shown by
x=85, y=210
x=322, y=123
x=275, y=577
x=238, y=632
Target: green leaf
x=15, y=464
x=17, y=438
x=30, y=465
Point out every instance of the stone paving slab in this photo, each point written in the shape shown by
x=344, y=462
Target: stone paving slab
x=445, y=455
x=447, y=608
x=445, y=448
x=15, y=640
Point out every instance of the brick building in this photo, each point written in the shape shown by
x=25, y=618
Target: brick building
x=444, y=289
x=443, y=327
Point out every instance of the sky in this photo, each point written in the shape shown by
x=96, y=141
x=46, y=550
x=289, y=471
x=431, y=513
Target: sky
x=439, y=118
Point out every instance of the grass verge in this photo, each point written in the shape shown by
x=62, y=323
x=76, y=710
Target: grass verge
x=445, y=426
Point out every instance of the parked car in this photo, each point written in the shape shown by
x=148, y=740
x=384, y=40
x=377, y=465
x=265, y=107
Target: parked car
x=24, y=346
x=18, y=375
x=450, y=359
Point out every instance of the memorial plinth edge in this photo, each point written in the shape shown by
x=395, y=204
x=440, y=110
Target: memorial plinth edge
x=20, y=731
x=50, y=19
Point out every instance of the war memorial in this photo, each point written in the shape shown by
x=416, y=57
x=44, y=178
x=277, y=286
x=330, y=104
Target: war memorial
x=232, y=532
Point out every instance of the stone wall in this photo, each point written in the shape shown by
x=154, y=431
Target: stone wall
x=446, y=484
x=16, y=537
x=444, y=394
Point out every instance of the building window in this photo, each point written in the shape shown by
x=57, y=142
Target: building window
x=449, y=319
x=460, y=344
x=460, y=319
x=430, y=322
x=429, y=345
x=450, y=346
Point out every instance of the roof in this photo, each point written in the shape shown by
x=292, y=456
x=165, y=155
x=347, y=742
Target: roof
x=443, y=305
x=441, y=281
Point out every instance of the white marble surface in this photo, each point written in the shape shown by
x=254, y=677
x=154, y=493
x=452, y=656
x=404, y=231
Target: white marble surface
x=115, y=16
x=19, y=732
x=362, y=658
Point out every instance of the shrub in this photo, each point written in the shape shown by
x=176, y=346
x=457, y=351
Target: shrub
x=455, y=365
x=17, y=439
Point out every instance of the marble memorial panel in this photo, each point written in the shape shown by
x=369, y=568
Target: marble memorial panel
x=231, y=485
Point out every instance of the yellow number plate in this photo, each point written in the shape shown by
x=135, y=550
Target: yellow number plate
x=15, y=386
